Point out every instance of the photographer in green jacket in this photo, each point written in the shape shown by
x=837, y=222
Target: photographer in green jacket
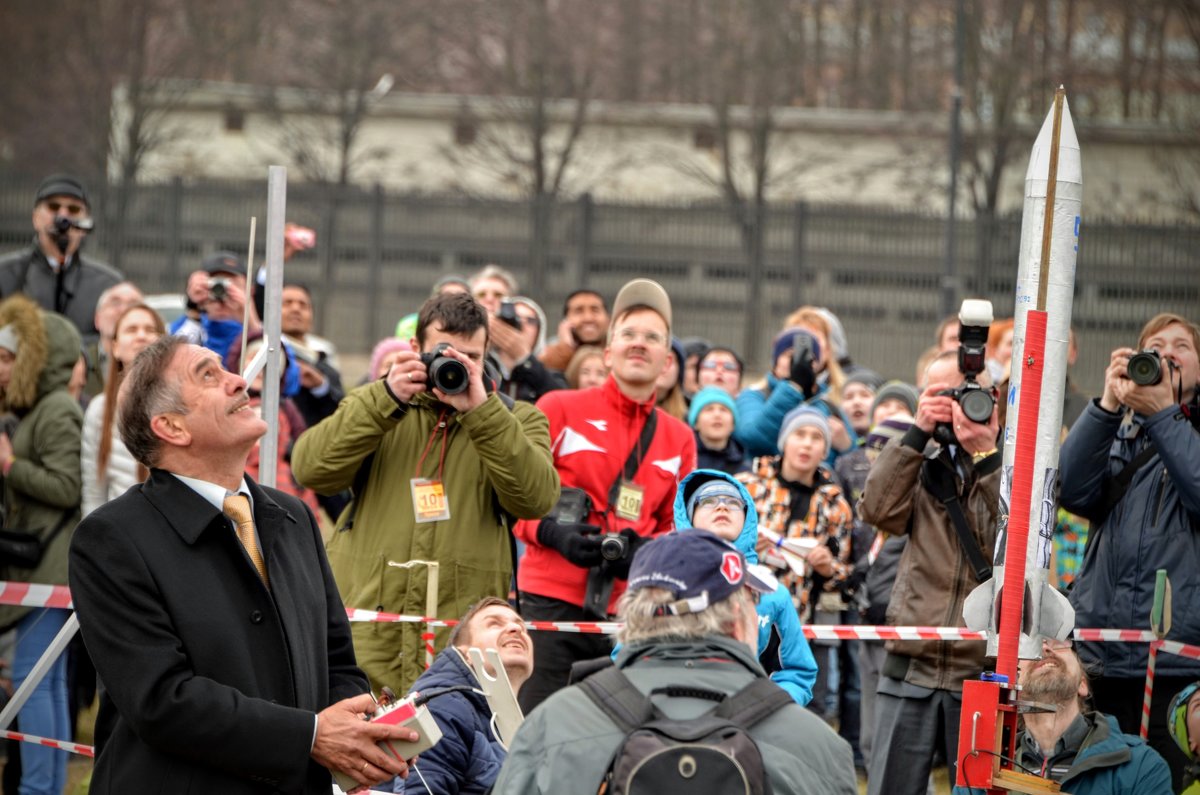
x=439, y=464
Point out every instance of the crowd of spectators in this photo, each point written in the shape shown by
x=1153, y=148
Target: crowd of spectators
x=532, y=467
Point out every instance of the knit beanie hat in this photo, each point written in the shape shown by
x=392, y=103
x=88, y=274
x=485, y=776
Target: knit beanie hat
x=786, y=340
x=884, y=432
x=801, y=417
x=865, y=376
x=897, y=390
x=707, y=396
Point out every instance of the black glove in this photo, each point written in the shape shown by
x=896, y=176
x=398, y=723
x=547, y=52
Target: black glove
x=802, y=373
x=578, y=543
x=620, y=568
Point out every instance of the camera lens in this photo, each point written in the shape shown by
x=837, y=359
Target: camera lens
x=1145, y=368
x=613, y=547
x=448, y=375
x=977, y=404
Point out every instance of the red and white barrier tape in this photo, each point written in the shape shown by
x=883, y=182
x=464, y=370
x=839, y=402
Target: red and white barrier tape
x=30, y=595
x=75, y=748
x=814, y=631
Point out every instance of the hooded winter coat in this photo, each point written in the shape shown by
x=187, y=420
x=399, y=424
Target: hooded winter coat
x=44, y=484
x=779, y=633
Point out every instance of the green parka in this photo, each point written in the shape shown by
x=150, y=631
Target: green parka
x=44, y=481
x=497, y=461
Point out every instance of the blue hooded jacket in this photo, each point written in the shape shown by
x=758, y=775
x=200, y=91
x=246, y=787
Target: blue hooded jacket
x=761, y=413
x=797, y=669
x=468, y=757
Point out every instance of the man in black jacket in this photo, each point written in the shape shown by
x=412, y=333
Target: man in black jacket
x=52, y=271
x=209, y=608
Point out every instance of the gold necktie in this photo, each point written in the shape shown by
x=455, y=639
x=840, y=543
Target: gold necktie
x=237, y=508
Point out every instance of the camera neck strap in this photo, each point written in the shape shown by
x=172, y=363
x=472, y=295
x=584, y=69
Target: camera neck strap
x=634, y=461
x=940, y=481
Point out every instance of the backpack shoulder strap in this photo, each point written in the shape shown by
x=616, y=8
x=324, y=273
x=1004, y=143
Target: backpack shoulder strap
x=617, y=697
x=754, y=702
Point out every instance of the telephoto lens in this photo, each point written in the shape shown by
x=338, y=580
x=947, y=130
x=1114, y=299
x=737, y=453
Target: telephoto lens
x=977, y=405
x=446, y=374
x=1145, y=368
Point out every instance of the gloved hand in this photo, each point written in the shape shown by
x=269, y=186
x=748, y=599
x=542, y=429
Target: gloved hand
x=802, y=373
x=578, y=543
x=620, y=568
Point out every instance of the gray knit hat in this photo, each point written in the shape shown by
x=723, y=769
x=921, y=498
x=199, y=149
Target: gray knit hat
x=800, y=417
x=897, y=390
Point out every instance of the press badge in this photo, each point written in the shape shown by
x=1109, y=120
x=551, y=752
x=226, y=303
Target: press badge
x=429, y=500
x=629, y=501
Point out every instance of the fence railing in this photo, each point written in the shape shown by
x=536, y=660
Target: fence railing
x=880, y=270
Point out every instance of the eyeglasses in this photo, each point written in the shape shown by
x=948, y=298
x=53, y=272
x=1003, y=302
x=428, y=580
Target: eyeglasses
x=70, y=209
x=629, y=335
x=729, y=367
x=711, y=502
x=1054, y=644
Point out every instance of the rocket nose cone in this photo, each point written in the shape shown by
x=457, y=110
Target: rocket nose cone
x=1069, y=168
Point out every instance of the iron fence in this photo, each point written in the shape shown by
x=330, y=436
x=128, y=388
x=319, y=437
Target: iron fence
x=880, y=270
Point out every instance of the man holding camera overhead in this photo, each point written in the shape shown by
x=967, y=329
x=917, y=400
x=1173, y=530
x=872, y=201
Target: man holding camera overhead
x=619, y=458
x=52, y=271
x=439, y=464
x=939, y=484
x=1131, y=465
x=216, y=304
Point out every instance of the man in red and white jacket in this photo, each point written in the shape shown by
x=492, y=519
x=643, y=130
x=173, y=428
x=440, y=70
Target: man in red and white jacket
x=574, y=568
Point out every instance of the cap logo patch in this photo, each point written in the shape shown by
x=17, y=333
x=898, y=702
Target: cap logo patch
x=731, y=568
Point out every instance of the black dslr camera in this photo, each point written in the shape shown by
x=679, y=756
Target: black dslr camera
x=1146, y=368
x=448, y=375
x=977, y=402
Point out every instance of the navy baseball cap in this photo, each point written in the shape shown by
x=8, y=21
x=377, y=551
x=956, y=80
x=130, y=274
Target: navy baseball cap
x=698, y=568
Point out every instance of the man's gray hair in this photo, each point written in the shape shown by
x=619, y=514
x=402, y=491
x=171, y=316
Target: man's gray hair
x=147, y=392
x=638, y=608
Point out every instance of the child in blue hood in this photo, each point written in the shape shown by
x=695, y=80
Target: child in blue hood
x=715, y=501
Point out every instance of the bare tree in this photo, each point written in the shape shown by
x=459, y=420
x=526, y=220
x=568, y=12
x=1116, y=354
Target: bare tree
x=538, y=61
x=748, y=80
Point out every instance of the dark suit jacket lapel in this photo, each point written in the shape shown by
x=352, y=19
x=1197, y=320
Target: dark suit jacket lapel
x=183, y=509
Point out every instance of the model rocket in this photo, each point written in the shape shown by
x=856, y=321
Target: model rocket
x=1018, y=607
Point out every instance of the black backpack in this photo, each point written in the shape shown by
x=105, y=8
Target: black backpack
x=711, y=753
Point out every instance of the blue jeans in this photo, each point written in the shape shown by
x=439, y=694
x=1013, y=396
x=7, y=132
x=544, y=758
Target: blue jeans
x=43, y=770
